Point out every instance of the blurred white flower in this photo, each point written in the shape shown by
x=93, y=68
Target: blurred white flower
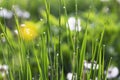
x=112, y=72
x=20, y=13
x=104, y=0
x=74, y=24
x=3, y=70
x=89, y=65
x=69, y=76
x=5, y=67
x=118, y=1
x=26, y=15
x=6, y=13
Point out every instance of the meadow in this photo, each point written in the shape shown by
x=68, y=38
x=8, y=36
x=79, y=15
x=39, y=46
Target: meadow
x=59, y=39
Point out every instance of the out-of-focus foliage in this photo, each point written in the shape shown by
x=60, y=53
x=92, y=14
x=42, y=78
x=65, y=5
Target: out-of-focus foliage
x=95, y=14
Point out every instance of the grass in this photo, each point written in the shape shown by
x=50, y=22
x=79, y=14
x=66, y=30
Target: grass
x=45, y=58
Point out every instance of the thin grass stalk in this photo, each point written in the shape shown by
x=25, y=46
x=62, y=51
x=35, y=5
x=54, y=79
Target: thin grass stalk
x=29, y=74
x=11, y=75
x=38, y=65
x=103, y=61
x=82, y=56
x=94, y=50
x=107, y=68
x=45, y=57
x=100, y=65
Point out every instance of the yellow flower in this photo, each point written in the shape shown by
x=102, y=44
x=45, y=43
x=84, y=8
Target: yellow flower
x=28, y=31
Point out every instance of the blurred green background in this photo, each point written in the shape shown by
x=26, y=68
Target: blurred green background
x=98, y=14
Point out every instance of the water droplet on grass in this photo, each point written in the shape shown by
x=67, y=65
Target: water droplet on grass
x=28, y=56
x=104, y=45
x=97, y=40
x=64, y=7
x=74, y=53
x=44, y=33
x=41, y=19
x=2, y=37
x=1, y=8
x=33, y=78
x=57, y=54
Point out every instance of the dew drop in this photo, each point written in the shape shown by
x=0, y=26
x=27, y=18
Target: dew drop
x=41, y=19
x=104, y=45
x=37, y=45
x=97, y=40
x=77, y=47
x=49, y=67
x=1, y=8
x=64, y=7
x=28, y=56
x=2, y=35
x=44, y=32
x=3, y=39
x=57, y=54
x=74, y=53
x=33, y=78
